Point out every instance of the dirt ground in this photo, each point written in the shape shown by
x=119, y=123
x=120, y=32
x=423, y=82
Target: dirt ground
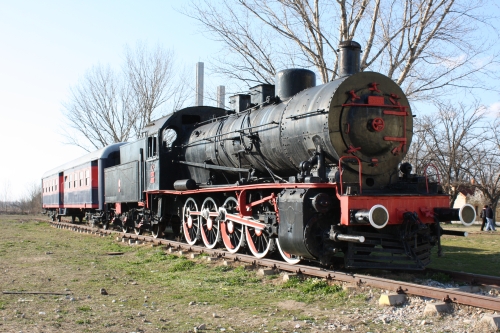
x=146, y=290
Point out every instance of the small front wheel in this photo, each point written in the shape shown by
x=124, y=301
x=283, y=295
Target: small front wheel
x=157, y=230
x=125, y=228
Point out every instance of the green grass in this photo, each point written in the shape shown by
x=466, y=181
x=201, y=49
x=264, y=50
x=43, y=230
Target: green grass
x=85, y=308
x=161, y=286
x=312, y=289
x=440, y=277
x=478, y=253
x=181, y=266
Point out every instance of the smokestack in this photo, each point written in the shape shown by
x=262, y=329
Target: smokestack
x=199, y=84
x=221, y=96
x=349, y=61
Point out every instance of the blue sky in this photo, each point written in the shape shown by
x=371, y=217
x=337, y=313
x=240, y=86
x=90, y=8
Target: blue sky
x=46, y=46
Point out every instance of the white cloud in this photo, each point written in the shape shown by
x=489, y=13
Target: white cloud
x=493, y=109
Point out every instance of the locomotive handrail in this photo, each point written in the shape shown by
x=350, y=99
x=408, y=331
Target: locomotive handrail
x=255, y=107
x=241, y=130
x=211, y=120
x=319, y=111
x=402, y=107
x=359, y=173
x=212, y=166
x=425, y=175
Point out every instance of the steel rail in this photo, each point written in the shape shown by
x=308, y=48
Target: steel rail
x=446, y=295
x=472, y=279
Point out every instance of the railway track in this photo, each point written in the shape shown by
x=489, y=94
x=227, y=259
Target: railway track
x=446, y=295
x=469, y=278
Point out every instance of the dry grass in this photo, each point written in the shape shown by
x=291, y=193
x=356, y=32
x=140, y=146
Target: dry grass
x=151, y=291
x=148, y=290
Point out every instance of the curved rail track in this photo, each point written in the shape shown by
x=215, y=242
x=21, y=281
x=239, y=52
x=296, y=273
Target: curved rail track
x=446, y=295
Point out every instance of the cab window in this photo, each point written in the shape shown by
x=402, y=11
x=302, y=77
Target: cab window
x=152, y=147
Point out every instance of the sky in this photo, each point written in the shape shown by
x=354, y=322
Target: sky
x=46, y=47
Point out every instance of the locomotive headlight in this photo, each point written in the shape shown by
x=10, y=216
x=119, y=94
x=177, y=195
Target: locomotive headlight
x=467, y=214
x=378, y=216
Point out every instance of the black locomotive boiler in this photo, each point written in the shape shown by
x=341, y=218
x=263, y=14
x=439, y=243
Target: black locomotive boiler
x=312, y=172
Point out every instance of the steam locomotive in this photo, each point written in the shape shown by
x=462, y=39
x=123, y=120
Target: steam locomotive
x=313, y=173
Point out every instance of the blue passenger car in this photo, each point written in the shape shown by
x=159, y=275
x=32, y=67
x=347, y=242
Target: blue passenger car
x=77, y=187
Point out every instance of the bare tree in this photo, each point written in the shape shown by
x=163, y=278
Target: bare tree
x=238, y=34
x=448, y=140
x=6, y=187
x=153, y=81
x=423, y=45
x=418, y=155
x=486, y=170
x=100, y=108
x=31, y=202
x=109, y=106
x=488, y=180
x=34, y=198
x=477, y=199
